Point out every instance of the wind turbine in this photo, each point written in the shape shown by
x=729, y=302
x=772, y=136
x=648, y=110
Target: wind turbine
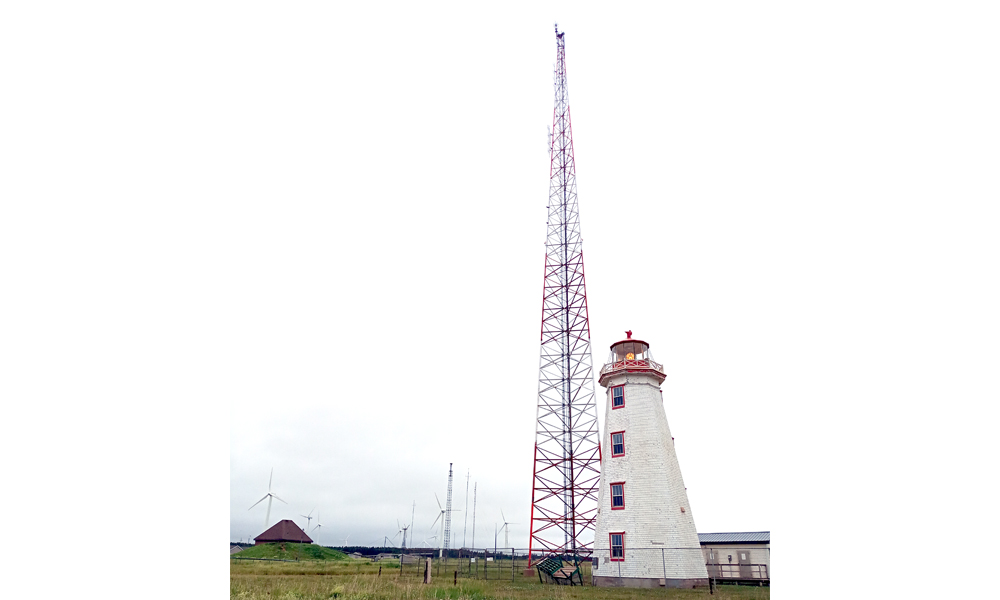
x=318, y=524
x=345, y=540
x=402, y=530
x=309, y=519
x=506, y=530
x=268, y=497
x=440, y=517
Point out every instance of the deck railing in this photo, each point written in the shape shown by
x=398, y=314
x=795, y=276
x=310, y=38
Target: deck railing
x=737, y=571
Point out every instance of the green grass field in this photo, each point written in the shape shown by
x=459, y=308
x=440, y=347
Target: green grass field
x=360, y=580
x=289, y=551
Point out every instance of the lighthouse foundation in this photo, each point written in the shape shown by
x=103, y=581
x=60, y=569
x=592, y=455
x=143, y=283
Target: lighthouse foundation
x=650, y=582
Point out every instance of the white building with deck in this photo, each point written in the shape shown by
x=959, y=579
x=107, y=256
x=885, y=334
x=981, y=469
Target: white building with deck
x=743, y=557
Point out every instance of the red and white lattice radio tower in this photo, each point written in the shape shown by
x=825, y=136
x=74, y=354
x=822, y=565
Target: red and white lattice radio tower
x=567, y=472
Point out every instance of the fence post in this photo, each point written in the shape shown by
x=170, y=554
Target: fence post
x=512, y=564
x=663, y=556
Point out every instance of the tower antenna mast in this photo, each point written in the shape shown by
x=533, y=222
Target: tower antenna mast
x=447, y=515
x=567, y=465
x=466, y=527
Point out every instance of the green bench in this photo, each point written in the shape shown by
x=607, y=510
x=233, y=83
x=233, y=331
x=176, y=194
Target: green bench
x=559, y=573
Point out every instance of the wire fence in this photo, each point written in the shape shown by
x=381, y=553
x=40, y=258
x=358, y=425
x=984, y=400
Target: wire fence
x=466, y=563
x=673, y=566
x=733, y=564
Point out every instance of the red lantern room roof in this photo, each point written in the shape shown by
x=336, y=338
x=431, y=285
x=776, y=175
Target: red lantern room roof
x=630, y=340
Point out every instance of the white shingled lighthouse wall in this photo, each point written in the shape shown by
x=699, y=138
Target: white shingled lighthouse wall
x=660, y=541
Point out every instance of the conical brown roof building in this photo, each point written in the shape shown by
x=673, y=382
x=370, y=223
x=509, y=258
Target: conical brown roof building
x=283, y=531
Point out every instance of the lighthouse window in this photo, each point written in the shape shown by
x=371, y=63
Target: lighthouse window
x=618, y=546
x=618, y=444
x=617, y=496
x=618, y=397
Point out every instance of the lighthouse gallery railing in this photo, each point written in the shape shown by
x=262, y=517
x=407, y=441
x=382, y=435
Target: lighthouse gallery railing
x=632, y=364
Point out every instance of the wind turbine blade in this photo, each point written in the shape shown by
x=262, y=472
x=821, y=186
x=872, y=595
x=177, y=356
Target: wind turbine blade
x=436, y=520
x=269, y=480
x=501, y=514
x=438, y=501
x=279, y=498
x=258, y=502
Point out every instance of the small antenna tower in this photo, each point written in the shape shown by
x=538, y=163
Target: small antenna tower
x=466, y=527
x=447, y=514
x=474, y=486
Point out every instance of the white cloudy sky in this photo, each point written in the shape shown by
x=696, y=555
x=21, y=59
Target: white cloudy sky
x=308, y=237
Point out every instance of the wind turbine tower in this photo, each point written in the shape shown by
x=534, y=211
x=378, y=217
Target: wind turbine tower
x=318, y=524
x=567, y=472
x=402, y=529
x=308, y=519
x=506, y=530
x=268, y=497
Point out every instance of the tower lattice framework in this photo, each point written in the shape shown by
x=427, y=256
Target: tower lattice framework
x=447, y=514
x=567, y=469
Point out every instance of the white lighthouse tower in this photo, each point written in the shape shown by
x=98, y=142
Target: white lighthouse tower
x=645, y=534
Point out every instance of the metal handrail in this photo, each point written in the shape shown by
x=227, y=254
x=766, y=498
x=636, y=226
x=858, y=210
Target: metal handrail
x=633, y=364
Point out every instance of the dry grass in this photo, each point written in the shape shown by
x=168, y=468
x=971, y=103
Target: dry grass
x=359, y=580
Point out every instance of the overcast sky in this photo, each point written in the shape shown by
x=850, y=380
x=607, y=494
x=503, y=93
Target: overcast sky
x=309, y=237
